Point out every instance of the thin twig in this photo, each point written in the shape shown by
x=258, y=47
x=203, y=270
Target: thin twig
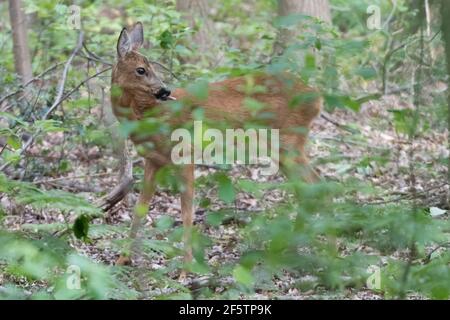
x=93, y=56
x=61, y=100
x=59, y=96
x=391, y=15
x=165, y=68
x=443, y=245
x=407, y=196
x=102, y=174
x=337, y=124
x=67, y=95
x=9, y=95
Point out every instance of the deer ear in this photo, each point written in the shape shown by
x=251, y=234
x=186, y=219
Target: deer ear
x=124, y=43
x=137, y=36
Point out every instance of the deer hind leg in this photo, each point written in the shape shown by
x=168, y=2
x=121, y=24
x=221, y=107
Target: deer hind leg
x=148, y=189
x=294, y=161
x=187, y=209
x=307, y=172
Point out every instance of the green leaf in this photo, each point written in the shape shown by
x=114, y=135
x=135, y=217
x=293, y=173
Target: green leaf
x=166, y=40
x=14, y=142
x=403, y=121
x=81, y=227
x=198, y=89
x=204, y=203
x=290, y=20
x=215, y=218
x=116, y=91
x=64, y=166
x=12, y=118
x=182, y=50
x=318, y=44
x=226, y=189
x=253, y=105
x=49, y=125
x=243, y=276
x=366, y=72
x=342, y=101
x=351, y=47
x=141, y=210
x=310, y=61
x=198, y=114
x=164, y=223
x=85, y=103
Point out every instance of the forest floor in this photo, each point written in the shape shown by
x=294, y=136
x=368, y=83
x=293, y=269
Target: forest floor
x=353, y=158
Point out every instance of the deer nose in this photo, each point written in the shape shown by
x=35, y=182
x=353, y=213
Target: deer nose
x=163, y=94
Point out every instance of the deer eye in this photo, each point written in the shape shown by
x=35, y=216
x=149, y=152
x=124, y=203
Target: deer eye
x=140, y=71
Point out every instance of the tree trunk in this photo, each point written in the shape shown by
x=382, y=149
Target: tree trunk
x=22, y=60
x=195, y=11
x=445, y=14
x=315, y=8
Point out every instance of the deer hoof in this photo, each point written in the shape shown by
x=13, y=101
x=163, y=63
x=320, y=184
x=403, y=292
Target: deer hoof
x=123, y=261
x=183, y=277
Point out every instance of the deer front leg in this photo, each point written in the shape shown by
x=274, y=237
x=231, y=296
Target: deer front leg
x=187, y=209
x=295, y=164
x=148, y=188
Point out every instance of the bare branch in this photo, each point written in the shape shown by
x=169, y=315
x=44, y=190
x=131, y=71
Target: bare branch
x=58, y=100
x=64, y=77
x=9, y=95
x=94, y=57
x=165, y=68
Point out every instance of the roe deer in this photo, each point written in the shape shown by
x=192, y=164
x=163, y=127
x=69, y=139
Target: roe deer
x=136, y=89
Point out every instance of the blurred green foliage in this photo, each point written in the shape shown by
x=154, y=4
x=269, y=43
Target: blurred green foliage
x=301, y=235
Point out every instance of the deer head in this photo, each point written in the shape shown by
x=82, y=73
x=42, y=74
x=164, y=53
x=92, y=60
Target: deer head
x=133, y=74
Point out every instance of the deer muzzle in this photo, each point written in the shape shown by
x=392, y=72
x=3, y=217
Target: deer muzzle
x=163, y=94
